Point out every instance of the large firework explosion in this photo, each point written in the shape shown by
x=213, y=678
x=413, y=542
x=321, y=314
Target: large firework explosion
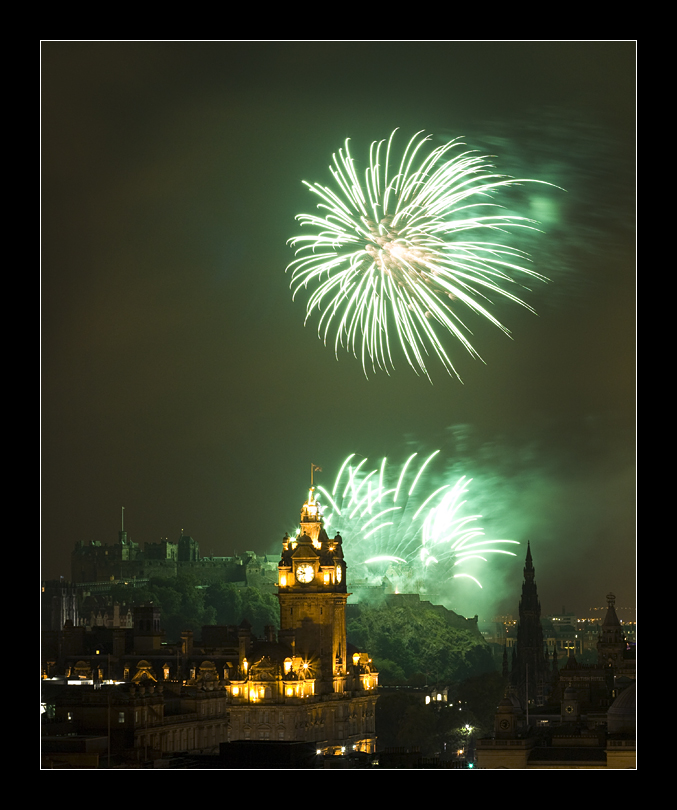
x=388, y=255
x=395, y=521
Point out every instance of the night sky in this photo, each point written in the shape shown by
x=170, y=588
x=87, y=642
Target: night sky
x=178, y=379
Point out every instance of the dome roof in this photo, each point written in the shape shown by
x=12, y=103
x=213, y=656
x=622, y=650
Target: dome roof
x=622, y=714
x=305, y=547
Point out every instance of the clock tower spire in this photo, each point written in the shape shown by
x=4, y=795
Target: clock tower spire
x=313, y=596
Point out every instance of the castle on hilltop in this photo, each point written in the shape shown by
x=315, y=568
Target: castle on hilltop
x=126, y=560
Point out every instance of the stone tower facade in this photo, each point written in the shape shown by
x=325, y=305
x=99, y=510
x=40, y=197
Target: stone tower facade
x=612, y=643
x=313, y=596
x=530, y=676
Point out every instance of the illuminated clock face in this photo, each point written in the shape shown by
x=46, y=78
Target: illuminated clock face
x=339, y=573
x=305, y=572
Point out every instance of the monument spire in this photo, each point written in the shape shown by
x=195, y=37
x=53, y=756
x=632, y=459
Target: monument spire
x=530, y=657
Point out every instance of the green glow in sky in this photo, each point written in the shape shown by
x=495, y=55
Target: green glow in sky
x=428, y=531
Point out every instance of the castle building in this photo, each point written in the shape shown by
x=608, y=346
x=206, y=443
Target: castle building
x=124, y=561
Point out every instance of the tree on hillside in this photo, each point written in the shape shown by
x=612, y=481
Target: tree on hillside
x=481, y=695
x=184, y=605
x=226, y=599
x=418, y=640
x=404, y=720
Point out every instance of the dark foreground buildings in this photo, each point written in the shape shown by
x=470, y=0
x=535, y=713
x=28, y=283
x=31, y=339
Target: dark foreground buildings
x=563, y=714
x=305, y=692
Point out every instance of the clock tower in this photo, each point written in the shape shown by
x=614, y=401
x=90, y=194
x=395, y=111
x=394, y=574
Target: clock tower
x=313, y=596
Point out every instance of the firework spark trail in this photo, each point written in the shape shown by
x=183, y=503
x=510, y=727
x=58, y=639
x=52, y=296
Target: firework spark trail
x=391, y=250
x=397, y=518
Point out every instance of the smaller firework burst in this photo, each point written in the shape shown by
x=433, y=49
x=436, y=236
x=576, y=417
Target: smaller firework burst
x=399, y=522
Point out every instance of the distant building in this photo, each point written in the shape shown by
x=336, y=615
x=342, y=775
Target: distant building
x=59, y=604
x=126, y=560
x=563, y=738
x=598, y=684
x=558, y=713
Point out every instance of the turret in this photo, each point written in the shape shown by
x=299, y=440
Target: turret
x=312, y=560
x=312, y=592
